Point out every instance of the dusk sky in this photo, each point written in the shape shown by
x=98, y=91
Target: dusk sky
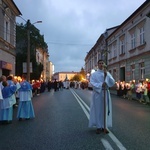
x=72, y=27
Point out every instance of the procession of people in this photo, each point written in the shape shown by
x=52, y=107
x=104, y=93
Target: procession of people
x=10, y=89
x=141, y=88
x=14, y=93
x=18, y=94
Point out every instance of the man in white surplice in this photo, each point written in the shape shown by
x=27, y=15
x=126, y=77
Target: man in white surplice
x=97, y=104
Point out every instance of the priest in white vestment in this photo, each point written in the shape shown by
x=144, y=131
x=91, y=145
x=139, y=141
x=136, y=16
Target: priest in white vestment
x=100, y=85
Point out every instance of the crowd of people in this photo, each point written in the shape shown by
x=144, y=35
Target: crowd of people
x=10, y=91
x=18, y=94
x=141, y=88
x=39, y=86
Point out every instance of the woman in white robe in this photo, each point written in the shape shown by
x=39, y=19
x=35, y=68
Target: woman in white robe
x=97, y=104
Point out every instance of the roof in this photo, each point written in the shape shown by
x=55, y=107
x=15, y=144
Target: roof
x=131, y=16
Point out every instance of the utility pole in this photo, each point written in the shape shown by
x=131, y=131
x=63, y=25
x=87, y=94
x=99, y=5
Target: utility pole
x=28, y=50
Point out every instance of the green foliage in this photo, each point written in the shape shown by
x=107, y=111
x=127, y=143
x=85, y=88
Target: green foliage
x=38, y=68
x=82, y=72
x=36, y=41
x=80, y=76
x=77, y=77
x=19, y=64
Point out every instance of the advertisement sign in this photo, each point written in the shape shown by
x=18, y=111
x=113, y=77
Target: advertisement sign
x=5, y=65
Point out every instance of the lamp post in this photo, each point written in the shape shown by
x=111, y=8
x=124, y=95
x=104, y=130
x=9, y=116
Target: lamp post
x=28, y=48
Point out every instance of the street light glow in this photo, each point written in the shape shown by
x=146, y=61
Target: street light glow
x=37, y=22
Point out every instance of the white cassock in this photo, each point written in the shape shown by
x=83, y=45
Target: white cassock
x=1, y=87
x=1, y=97
x=97, y=103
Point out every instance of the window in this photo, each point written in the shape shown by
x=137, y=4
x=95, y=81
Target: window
x=99, y=55
x=110, y=52
x=95, y=60
x=133, y=71
x=142, y=35
x=114, y=50
x=122, y=46
x=142, y=70
x=14, y=36
x=115, y=73
x=6, y=29
x=132, y=40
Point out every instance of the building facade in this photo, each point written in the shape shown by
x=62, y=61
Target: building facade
x=127, y=48
x=98, y=51
x=62, y=76
x=42, y=56
x=50, y=71
x=8, y=13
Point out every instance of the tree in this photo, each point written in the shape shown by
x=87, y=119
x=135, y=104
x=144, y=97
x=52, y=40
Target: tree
x=77, y=77
x=82, y=72
x=36, y=41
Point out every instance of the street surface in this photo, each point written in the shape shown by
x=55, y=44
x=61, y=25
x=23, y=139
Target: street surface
x=61, y=123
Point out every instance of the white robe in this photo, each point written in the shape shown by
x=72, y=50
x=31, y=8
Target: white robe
x=97, y=103
x=25, y=95
x=1, y=87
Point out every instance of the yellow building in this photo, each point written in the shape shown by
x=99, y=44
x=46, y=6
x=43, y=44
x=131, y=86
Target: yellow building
x=61, y=76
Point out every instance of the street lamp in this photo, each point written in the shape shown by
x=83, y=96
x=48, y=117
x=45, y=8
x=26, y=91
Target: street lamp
x=28, y=49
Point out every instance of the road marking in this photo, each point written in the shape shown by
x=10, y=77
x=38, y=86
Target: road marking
x=106, y=144
x=116, y=141
x=85, y=111
x=111, y=135
x=82, y=101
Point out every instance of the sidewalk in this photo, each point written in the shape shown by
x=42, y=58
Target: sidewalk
x=114, y=92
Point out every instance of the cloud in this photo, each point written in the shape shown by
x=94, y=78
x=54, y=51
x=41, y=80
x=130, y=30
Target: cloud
x=72, y=27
